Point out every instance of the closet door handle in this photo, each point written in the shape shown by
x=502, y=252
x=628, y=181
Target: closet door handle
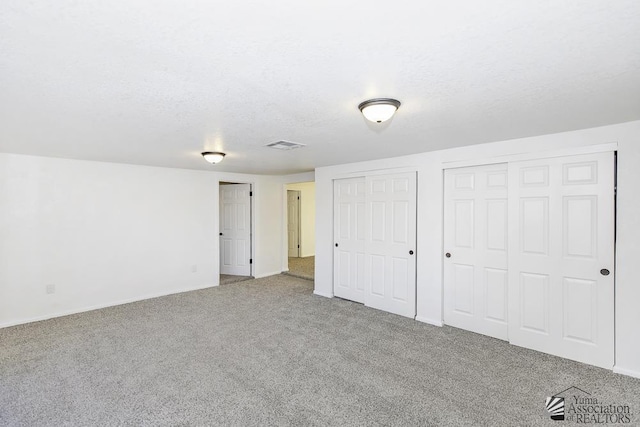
x=448, y=255
x=336, y=245
x=410, y=252
x=604, y=272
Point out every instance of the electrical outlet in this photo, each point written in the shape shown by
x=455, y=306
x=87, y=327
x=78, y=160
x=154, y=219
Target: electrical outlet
x=51, y=289
x=194, y=268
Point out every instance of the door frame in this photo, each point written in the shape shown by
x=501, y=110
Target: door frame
x=284, y=248
x=252, y=222
x=532, y=155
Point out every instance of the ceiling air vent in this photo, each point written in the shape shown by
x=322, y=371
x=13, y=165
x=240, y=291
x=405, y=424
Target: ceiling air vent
x=285, y=145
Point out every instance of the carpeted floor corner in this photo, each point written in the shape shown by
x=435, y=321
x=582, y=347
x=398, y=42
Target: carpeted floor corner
x=269, y=352
x=227, y=279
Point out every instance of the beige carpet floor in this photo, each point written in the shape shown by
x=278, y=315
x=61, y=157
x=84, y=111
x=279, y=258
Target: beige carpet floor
x=268, y=352
x=302, y=267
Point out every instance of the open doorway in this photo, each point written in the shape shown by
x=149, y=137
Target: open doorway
x=235, y=232
x=301, y=233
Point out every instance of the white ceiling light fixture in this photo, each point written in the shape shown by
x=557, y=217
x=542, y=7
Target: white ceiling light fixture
x=379, y=110
x=213, y=157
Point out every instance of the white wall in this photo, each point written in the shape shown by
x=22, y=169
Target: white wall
x=107, y=233
x=307, y=216
x=430, y=168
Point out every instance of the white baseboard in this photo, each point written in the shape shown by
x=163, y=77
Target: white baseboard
x=323, y=294
x=260, y=276
x=100, y=306
x=628, y=372
x=429, y=321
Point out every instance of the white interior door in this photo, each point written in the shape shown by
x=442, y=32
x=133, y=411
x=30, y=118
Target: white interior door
x=475, y=242
x=561, y=235
x=293, y=222
x=390, y=259
x=235, y=229
x=349, y=238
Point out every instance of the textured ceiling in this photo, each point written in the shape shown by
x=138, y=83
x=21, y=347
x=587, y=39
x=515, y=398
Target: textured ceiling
x=157, y=82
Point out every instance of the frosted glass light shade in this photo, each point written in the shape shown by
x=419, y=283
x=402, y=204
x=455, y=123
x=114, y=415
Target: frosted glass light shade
x=213, y=157
x=380, y=109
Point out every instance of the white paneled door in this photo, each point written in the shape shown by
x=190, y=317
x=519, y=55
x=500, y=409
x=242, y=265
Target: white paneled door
x=349, y=238
x=475, y=241
x=561, y=258
x=293, y=222
x=235, y=229
x=390, y=232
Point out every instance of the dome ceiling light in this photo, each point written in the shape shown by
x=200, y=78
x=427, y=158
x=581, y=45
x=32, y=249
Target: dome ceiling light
x=379, y=110
x=213, y=157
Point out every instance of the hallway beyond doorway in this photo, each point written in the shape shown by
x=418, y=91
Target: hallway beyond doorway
x=302, y=267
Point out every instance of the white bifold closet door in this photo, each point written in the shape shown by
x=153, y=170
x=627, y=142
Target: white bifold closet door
x=349, y=238
x=561, y=256
x=475, y=241
x=390, y=259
